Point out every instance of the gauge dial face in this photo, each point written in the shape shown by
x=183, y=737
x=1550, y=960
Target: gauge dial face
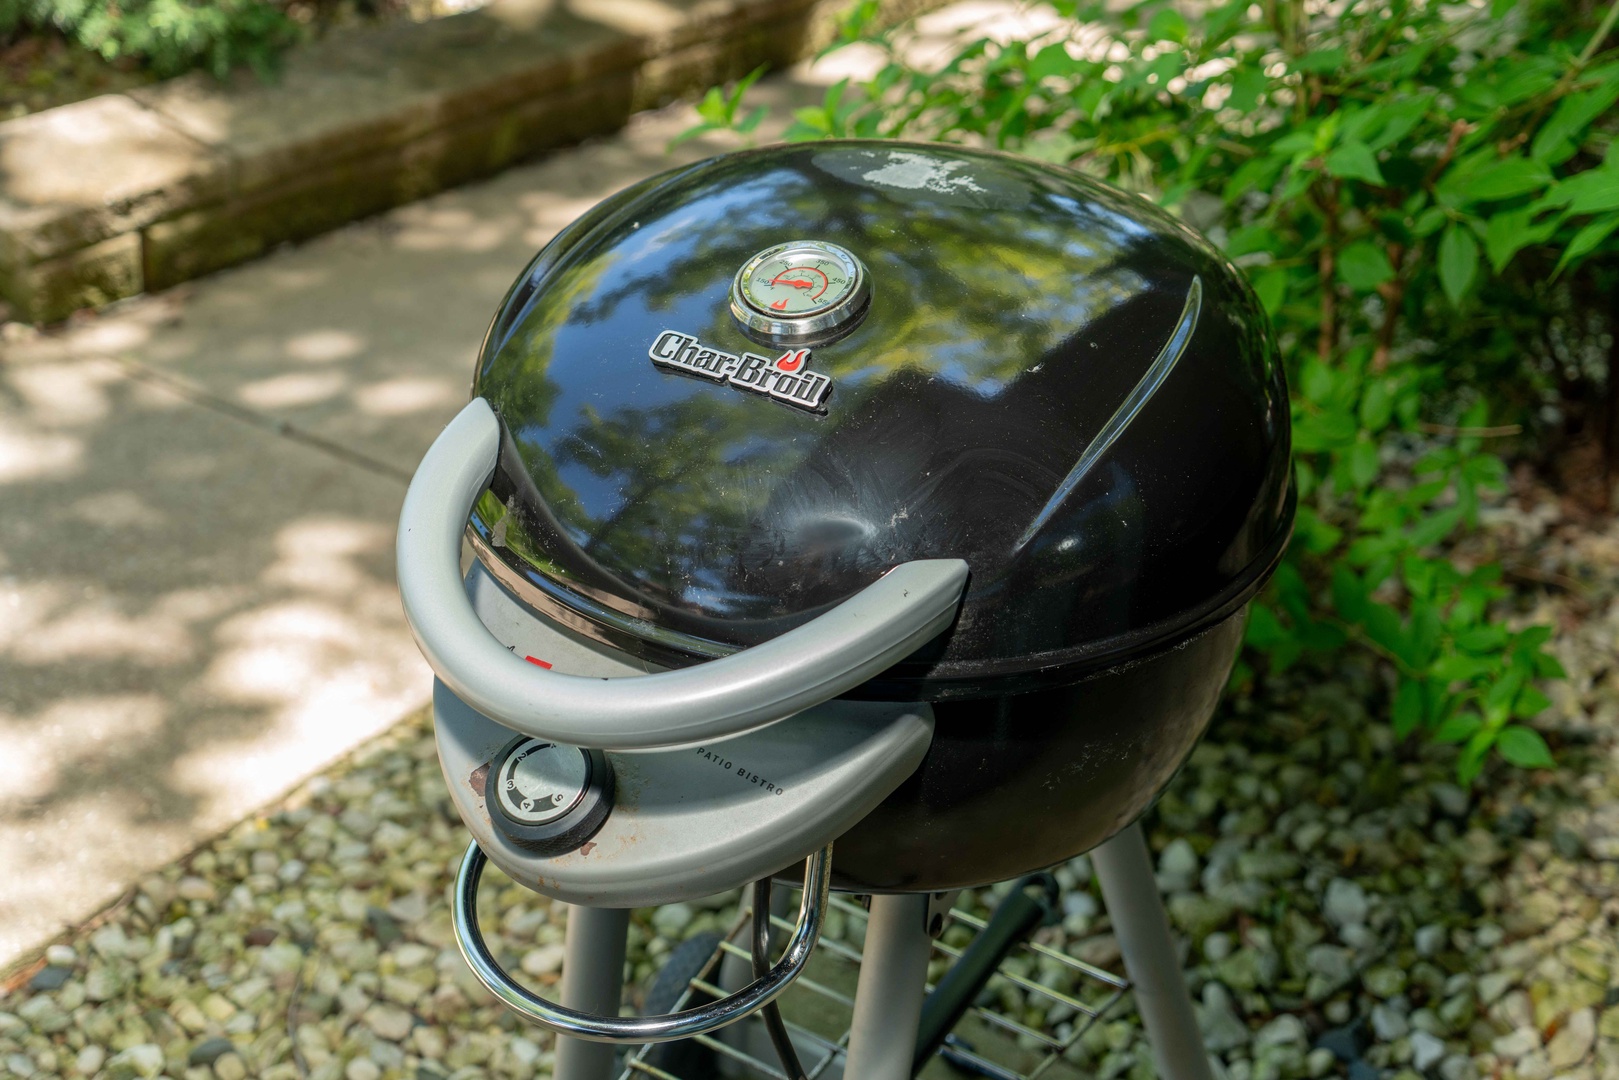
x=800, y=289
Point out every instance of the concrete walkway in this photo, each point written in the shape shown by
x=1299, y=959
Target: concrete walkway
x=198, y=497
x=198, y=494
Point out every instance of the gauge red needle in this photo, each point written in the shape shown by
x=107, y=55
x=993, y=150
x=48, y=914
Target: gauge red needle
x=795, y=283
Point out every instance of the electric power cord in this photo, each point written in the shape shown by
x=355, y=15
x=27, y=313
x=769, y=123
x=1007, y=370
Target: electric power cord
x=761, y=965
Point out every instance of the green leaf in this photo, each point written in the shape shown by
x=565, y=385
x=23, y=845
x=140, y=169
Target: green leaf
x=1322, y=637
x=1530, y=703
x=1424, y=635
x=1562, y=133
x=1505, y=179
x=1321, y=61
x=1363, y=463
x=1348, y=593
x=1316, y=535
x=1382, y=624
x=1354, y=161
x=1399, y=118
x=1588, y=238
x=1246, y=86
x=1167, y=25
x=1524, y=747
x=1377, y=405
x=1364, y=266
x=1325, y=431
x=1510, y=231
x=1526, y=79
x=1407, y=711
x=1432, y=220
x=1482, y=639
x=1482, y=178
x=1435, y=527
x=712, y=107
x=1264, y=628
x=1317, y=382
x=1247, y=239
x=1051, y=61
x=1459, y=668
x=1498, y=699
x=1471, y=761
x=1271, y=287
x=1458, y=261
x=1592, y=191
x=1458, y=728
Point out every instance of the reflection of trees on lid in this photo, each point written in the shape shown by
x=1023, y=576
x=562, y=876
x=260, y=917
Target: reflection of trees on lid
x=1000, y=339
x=918, y=176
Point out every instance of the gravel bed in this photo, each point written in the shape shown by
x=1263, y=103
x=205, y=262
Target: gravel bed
x=1348, y=909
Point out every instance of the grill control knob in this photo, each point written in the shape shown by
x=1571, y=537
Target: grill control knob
x=548, y=798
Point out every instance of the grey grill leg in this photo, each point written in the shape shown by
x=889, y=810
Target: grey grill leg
x=592, y=980
x=1124, y=869
x=893, y=982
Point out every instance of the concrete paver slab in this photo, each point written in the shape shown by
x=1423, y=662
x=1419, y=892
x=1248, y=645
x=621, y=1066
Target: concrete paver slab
x=193, y=613
x=99, y=167
x=366, y=337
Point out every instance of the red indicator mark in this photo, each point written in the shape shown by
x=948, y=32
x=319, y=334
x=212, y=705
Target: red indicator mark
x=541, y=663
x=779, y=305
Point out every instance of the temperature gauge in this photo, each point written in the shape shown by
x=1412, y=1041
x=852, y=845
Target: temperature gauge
x=801, y=289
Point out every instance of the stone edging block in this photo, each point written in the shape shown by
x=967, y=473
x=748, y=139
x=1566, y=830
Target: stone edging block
x=123, y=193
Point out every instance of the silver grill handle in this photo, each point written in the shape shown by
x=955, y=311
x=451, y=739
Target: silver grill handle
x=638, y=1029
x=832, y=653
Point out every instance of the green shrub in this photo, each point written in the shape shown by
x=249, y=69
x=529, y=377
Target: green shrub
x=1417, y=190
x=167, y=37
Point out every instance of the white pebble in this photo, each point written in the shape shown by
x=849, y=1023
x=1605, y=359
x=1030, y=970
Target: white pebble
x=1426, y=1050
x=1217, y=946
x=144, y=1059
x=1573, y=1040
x=1387, y=1024
x=671, y=919
x=363, y=1069
x=1081, y=904
x=195, y=888
x=1285, y=1030
x=1177, y=866
x=525, y=1052
x=388, y=1022
x=1345, y=903
x=1516, y=1044
x=1429, y=939
x=412, y=954
x=546, y=960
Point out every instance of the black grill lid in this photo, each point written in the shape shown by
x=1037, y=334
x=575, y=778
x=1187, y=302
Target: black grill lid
x=1053, y=380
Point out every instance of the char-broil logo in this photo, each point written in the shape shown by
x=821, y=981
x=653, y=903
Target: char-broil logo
x=785, y=378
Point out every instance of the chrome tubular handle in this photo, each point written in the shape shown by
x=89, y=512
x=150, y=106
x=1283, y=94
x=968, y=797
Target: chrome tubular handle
x=834, y=652
x=638, y=1029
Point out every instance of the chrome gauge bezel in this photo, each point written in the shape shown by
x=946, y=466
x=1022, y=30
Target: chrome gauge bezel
x=824, y=320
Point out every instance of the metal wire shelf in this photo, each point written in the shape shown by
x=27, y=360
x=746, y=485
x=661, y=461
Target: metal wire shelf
x=988, y=1042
